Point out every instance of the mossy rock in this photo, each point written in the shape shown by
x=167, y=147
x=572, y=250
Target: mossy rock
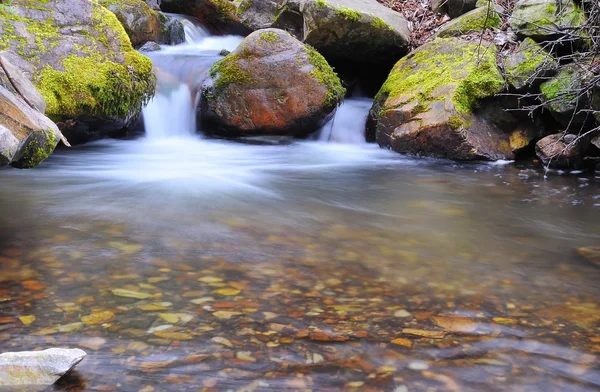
x=272, y=84
x=545, y=19
x=27, y=137
x=528, y=66
x=473, y=21
x=141, y=23
x=79, y=57
x=359, y=31
x=560, y=97
x=220, y=16
x=172, y=31
x=429, y=105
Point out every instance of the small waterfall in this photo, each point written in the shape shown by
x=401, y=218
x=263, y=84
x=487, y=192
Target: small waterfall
x=348, y=124
x=180, y=71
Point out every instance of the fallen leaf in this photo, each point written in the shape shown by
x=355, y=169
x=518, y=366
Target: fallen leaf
x=27, y=320
x=245, y=356
x=209, y=279
x=455, y=324
x=173, y=335
x=130, y=294
x=199, y=301
x=223, y=341
x=223, y=314
x=227, y=291
x=402, y=342
x=98, y=318
x=424, y=333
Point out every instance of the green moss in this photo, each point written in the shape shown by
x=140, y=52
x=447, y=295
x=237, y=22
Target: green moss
x=473, y=21
x=225, y=10
x=38, y=148
x=560, y=88
x=467, y=70
x=531, y=58
x=348, y=13
x=456, y=122
x=326, y=76
x=95, y=86
x=321, y=3
x=269, y=36
x=227, y=71
x=380, y=24
x=244, y=6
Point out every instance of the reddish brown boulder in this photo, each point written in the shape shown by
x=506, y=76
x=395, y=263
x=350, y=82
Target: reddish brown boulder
x=271, y=84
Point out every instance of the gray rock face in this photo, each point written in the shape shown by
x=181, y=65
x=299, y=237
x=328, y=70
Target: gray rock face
x=38, y=367
x=154, y=4
x=172, y=31
x=360, y=31
x=13, y=79
x=560, y=152
x=141, y=23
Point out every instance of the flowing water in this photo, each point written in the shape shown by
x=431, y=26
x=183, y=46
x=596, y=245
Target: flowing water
x=180, y=263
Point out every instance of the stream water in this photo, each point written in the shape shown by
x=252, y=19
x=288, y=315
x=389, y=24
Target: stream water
x=184, y=263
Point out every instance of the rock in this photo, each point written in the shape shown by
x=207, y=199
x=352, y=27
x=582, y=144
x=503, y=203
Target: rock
x=27, y=137
x=596, y=141
x=359, y=31
x=141, y=23
x=271, y=84
x=429, y=105
x=150, y=46
x=454, y=8
x=154, y=4
x=473, y=21
x=545, y=19
x=591, y=254
x=528, y=66
x=80, y=59
x=13, y=79
x=559, y=99
x=172, y=31
x=38, y=367
x=220, y=16
x=560, y=151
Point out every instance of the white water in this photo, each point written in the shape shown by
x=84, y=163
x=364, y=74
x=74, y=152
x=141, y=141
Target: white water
x=181, y=69
x=348, y=124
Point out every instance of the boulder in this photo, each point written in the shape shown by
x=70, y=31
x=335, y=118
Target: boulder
x=561, y=151
x=472, y=22
x=271, y=84
x=358, y=31
x=13, y=79
x=141, y=23
x=454, y=8
x=528, y=66
x=79, y=57
x=27, y=137
x=560, y=98
x=38, y=367
x=150, y=46
x=172, y=31
x=154, y=4
x=220, y=16
x=544, y=20
x=429, y=105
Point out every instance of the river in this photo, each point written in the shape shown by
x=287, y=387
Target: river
x=180, y=262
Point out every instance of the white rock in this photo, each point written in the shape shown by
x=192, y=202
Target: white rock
x=38, y=367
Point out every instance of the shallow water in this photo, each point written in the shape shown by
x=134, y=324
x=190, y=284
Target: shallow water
x=310, y=260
